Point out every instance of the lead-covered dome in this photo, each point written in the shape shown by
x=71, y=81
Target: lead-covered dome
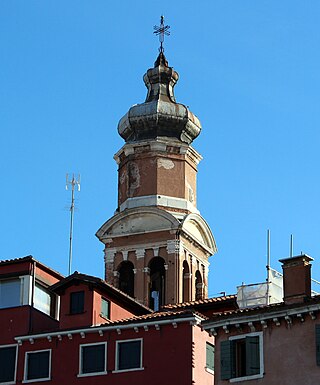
x=160, y=114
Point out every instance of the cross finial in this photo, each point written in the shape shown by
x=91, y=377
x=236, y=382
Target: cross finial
x=161, y=31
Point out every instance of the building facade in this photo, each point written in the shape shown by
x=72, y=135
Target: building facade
x=275, y=344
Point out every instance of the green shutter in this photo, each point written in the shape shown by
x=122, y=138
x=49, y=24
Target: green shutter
x=227, y=360
x=252, y=356
x=209, y=356
x=318, y=344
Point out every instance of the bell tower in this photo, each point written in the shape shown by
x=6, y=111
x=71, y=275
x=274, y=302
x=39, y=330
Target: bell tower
x=157, y=244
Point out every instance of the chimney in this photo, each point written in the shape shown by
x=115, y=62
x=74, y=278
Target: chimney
x=296, y=278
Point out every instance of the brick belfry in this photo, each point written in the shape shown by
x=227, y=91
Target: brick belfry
x=157, y=244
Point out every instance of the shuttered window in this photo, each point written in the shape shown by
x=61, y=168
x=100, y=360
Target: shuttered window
x=227, y=360
x=240, y=357
x=93, y=358
x=209, y=356
x=318, y=344
x=7, y=363
x=129, y=354
x=38, y=365
x=252, y=356
x=77, y=302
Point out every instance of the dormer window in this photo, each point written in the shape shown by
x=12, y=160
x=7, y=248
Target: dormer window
x=77, y=302
x=10, y=293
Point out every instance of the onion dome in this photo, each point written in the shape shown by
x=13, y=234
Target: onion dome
x=160, y=115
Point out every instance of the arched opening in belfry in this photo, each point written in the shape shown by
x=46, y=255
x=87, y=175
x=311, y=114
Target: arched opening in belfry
x=185, y=282
x=199, y=285
x=126, y=277
x=157, y=283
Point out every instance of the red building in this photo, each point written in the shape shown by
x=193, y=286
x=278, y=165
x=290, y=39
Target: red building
x=80, y=329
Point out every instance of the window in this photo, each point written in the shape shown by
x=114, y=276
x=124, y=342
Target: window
x=209, y=356
x=8, y=360
x=93, y=359
x=105, y=308
x=37, y=365
x=10, y=293
x=43, y=300
x=77, y=302
x=129, y=355
x=241, y=357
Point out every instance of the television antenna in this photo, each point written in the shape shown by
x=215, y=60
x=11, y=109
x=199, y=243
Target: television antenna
x=73, y=184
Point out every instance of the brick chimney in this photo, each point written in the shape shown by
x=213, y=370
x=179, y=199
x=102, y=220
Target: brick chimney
x=296, y=278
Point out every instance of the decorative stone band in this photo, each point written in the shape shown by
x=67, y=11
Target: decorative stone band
x=160, y=145
x=159, y=200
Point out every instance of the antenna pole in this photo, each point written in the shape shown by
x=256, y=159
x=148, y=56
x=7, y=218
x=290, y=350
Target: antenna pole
x=73, y=182
x=268, y=265
x=291, y=246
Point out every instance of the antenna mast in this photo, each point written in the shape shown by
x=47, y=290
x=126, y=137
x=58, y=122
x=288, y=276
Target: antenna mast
x=268, y=266
x=73, y=182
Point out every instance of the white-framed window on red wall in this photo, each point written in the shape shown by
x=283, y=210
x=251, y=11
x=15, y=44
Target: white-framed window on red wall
x=92, y=359
x=37, y=366
x=129, y=355
x=8, y=364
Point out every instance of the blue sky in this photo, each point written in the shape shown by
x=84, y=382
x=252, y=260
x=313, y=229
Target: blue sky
x=248, y=69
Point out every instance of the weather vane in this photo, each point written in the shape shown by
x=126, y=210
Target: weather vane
x=161, y=31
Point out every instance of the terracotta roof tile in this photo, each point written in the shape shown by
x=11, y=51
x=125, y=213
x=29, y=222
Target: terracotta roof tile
x=157, y=315
x=200, y=302
x=266, y=308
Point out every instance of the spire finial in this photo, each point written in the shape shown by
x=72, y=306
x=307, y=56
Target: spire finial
x=161, y=31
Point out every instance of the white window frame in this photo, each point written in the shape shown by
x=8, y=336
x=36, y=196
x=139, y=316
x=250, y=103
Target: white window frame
x=15, y=363
x=80, y=374
x=25, y=380
x=254, y=376
x=117, y=370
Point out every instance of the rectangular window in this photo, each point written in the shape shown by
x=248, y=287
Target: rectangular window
x=8, y=360
x=105, y=308
x=42, y=299
x=129, y=355
x=37, y=365
x=241, y=357
x=209, y=356
x=93, y=359
x=77, y=302
x=10, y=293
